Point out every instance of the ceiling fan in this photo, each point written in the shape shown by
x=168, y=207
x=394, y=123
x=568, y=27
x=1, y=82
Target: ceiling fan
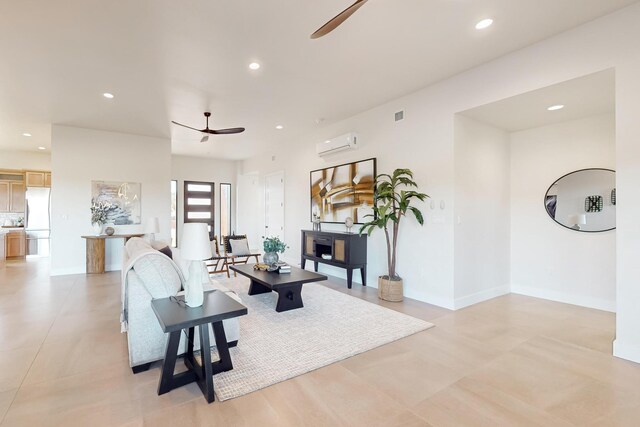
x=338, y=19
x=208, y=131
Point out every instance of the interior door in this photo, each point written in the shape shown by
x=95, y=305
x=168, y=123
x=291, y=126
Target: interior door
x=274, y=205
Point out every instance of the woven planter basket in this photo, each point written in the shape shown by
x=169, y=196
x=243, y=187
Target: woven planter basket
x=390, y=290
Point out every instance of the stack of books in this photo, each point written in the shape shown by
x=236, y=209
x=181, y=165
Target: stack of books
x=283, y=268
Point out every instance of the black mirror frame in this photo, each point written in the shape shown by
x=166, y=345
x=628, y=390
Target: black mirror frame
x=544, y=201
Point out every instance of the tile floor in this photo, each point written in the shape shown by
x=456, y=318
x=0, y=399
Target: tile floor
x=511, y=361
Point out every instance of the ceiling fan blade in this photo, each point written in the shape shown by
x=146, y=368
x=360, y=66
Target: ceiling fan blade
x=205, y=138
x=338, y=19
x=226, y=131
x=188, y=127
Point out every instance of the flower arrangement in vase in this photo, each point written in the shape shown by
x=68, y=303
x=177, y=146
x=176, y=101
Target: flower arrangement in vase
x=100, y=215
x=271, y=246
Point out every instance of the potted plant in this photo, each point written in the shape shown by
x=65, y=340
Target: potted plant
x=392, y=201
x=271, y=246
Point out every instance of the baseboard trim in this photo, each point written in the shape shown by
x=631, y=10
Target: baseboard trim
x=597, y=303
x=626, y=351
x=481, y=296
x=67, y=271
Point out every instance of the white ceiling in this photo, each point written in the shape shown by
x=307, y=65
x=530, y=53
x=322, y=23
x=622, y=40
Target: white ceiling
x=582, y=97
x=171, y=60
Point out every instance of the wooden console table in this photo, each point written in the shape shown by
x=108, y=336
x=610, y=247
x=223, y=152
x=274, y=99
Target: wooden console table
x=96, y=250
x=345, y=250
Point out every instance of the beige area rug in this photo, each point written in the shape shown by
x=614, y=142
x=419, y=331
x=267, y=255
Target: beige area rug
x=332, y=326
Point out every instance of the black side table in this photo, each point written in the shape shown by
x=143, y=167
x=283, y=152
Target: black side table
x=175, y=317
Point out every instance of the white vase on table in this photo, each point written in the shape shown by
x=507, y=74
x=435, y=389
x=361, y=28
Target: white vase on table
x=97, y=229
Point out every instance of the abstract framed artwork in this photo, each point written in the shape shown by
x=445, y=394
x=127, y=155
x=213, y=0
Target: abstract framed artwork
x=593, y=204
x=343, y=191
x=124, y=198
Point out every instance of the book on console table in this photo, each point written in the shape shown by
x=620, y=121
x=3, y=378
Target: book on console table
x=283, y=267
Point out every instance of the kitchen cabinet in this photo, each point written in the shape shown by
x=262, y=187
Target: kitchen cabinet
x=38, y=179
x=35, y=179
x=5, y=196
x=17, y=192
x=12, y=191
x=2, y=246
x=16, y=244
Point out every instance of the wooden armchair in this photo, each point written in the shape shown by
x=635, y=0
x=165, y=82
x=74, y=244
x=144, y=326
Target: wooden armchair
x=217, y=263
x=237, y=259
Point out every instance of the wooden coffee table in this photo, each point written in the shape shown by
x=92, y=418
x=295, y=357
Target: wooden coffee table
x=288, y=286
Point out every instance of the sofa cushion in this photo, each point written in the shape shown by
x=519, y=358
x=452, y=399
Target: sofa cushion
x=158, y=275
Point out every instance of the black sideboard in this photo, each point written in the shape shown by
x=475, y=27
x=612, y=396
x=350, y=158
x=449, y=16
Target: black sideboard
x=344, y=250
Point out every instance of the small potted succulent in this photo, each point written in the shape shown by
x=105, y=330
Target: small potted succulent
x=272, y=245
x=392, y=201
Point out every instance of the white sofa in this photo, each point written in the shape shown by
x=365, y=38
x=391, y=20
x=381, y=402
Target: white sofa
x=149, y=274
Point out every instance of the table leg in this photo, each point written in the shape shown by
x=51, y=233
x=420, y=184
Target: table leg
x=206, y=381
x=258, y=288
x=289, y=298
x=349, y=277
x=169, y=364
x=225, y=363
x=363, y=274
x=95, y=256
x=315, y=266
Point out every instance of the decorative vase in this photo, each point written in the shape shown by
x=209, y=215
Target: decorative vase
x=390, y=289
x=270, y=258
x=97, y=229
x=109, y=231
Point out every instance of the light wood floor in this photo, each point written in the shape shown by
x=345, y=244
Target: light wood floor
x=510, y=361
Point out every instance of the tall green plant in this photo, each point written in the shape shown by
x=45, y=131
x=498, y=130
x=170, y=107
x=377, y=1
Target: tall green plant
x=392, y=201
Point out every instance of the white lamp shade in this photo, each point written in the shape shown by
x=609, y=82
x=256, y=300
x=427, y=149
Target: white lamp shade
x=577, y=219
x=152, y=226
x=195, y=241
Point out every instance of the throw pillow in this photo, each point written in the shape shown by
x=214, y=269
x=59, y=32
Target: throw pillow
x=240, y=247
x=162, y=247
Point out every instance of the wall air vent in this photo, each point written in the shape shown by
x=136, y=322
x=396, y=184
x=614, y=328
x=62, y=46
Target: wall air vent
x=399, y=115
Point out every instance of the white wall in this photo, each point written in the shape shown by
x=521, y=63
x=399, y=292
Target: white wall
x=186, y=168
x=424, y=265
x=548, y=260
x=32, y=160
x=482, y=212
x=424, y=142
x=80, y=156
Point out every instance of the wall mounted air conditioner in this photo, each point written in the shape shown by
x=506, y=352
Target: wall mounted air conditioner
x=337, y=144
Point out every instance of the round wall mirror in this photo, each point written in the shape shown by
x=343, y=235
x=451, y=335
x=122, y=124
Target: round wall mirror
x=584, y=200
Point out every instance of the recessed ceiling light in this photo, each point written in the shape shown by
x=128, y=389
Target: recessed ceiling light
x=327, y=141
x=26, y=134
x=279, y=127
x=485, y=23
x=556, y=107
x=42, y=148
x=254, y=66
x=108, y=95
